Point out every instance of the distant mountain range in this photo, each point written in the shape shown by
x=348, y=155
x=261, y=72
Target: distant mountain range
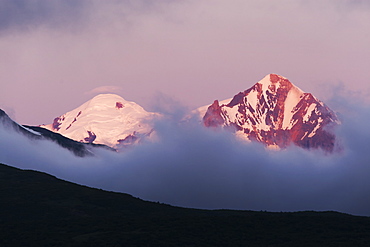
x=273, y=112
x=38, y=209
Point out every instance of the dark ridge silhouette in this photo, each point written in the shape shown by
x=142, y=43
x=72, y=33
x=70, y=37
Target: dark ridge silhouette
x=38, y=209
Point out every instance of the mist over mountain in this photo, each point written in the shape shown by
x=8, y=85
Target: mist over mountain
x=195, y=166
x=280, y=144
x=273, y=111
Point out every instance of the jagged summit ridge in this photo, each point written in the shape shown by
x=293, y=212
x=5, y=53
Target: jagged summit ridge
x=272, y=92
x=275, y=112
x=105, y=119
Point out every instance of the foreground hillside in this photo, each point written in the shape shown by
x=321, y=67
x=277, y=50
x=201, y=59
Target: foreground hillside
x=40, y=210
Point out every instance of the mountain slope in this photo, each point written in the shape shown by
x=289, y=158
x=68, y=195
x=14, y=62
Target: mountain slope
x=106, y=119
x=276, y=113
x=38, y=209
x=79, y=149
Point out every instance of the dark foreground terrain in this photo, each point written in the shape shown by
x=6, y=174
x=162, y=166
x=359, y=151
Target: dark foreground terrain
x=37, y=209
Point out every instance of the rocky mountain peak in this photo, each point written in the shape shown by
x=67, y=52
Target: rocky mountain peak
x=276, y=112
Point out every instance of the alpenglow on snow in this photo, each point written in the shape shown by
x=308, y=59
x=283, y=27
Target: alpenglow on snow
x=105, y=119
x=276, y=113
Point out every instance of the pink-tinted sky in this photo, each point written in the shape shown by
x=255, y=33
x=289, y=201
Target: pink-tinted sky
x=55, y=55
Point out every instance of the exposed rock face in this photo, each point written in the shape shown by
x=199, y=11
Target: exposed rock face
x=213, y=115
x=91, y=138
x=57, y=122
x=119, y=105
x=276, y=112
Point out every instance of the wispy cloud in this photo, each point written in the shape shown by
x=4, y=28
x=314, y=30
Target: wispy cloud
x=105, y=89
x=24, y=15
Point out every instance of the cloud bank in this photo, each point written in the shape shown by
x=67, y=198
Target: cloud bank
x=193, y=166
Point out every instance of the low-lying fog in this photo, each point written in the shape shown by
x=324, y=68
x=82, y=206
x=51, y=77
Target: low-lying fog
x=192, y=166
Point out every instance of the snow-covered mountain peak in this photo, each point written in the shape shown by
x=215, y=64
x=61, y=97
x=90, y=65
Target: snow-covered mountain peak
x=106, y=98
x=272, y=83
x=276, y=112
x=271, y=79
x=105, y=119
x=103, y=102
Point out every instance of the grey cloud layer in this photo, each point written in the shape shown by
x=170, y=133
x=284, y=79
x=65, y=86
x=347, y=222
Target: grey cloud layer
x=24, y=14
